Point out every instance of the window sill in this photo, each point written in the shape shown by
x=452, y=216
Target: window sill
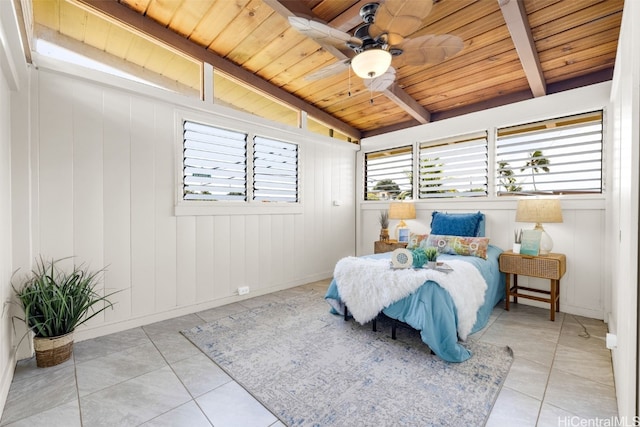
x=198, y=208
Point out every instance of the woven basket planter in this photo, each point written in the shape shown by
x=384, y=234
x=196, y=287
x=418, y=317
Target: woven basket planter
x=53, y=351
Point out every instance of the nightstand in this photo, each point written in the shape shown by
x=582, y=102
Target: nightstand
x=381, y=247
x=551, y=266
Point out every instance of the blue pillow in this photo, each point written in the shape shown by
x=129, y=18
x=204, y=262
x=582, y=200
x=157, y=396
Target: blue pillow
x=457, y=224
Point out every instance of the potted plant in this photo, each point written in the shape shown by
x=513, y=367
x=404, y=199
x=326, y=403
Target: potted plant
x=55, y=303
x=432, y=256
x=384, y=226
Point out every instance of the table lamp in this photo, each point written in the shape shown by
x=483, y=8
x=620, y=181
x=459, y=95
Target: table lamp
x=402, y=211
x=540, y=211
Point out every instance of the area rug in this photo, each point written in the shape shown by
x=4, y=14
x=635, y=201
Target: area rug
x=311, y=368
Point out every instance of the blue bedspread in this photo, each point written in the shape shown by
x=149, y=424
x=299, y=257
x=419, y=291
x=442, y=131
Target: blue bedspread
x=432, y=311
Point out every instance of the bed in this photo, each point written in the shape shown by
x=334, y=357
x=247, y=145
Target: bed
x=436, y=312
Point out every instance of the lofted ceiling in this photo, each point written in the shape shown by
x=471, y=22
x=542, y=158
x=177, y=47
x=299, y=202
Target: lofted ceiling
x=513, y=50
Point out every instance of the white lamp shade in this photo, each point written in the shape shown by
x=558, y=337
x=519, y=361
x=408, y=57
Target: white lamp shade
x=371, y=63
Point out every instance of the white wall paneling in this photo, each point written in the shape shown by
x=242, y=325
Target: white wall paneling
x=581, y=287
x=6, y=356
x=15, y=202
x=165, y=223
x=106, y=190
x=116, y=189
x=141, y=124
x=622, y=223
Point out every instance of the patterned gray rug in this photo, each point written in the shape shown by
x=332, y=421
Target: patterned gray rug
x=311, y=368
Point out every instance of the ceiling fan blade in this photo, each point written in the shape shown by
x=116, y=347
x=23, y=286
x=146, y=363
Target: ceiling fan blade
x=429, y=49
x=330, y=70
x=380, y=83
x=399, y=18
x=419, y=9
x=322, y=32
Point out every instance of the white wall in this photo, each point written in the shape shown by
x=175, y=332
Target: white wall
x=581, y=237
x=622, y=221
x=104, y=173
x=6, y=359
x=13, y=75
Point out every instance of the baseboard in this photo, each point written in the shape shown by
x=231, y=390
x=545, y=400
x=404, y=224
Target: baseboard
x=567, y=308
x=7, y=378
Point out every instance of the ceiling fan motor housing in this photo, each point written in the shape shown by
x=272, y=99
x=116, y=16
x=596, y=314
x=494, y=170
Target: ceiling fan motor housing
x=368, y=12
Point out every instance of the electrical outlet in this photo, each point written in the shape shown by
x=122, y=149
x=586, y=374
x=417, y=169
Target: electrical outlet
x=243, y=290
x=611, y=341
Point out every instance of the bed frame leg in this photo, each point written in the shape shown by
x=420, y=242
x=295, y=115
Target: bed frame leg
x=394, y=326
x=346, y=313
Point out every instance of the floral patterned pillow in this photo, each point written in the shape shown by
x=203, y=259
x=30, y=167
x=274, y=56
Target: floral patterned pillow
x=417, y=241
x=458, y=245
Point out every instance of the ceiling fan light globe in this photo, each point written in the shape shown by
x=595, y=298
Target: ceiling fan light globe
x=371, y=63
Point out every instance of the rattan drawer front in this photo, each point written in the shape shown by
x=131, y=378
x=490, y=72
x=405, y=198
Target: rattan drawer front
x=547, y=267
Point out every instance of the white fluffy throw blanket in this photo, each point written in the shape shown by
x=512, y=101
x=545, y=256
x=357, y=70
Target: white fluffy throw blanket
x=367, y=286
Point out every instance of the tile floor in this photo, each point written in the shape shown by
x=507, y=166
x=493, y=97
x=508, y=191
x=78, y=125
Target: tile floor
x=153, y=376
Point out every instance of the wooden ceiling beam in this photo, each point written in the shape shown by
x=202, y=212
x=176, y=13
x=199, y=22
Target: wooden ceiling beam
x=395, y=93
x=600, y=76
x=147, y=27
x=515, y=16
x=350, y=18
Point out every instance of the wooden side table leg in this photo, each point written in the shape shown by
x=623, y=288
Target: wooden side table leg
x=558, y=295
x=515, y=288
x=508, y=288
x=552, y=309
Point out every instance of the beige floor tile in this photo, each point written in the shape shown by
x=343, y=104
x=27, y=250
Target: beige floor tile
x=579, y=395
x=188, y=414
x=199, y=374
x=246, y=411
x=552, y=416
x=591, y=365
x=513, y=408
x=527, y=377
x=134, y=401
x=102, y=372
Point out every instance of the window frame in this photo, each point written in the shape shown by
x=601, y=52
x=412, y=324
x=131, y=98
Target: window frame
x=249, y=206
x=574, y=193
x=492, y=167
x=400, y=148
x=459, y=139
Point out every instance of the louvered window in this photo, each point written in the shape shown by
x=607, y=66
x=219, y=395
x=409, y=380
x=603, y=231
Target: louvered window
x=454, y=167
x=215, y=163
x=558, y=156
x=388, y=174
x=275, y=170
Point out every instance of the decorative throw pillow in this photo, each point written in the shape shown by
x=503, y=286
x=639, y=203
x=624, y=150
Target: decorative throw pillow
x=457, y=224
x=417, y=241
x=460, y=245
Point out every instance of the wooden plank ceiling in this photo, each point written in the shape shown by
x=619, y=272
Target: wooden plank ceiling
x=512, y=50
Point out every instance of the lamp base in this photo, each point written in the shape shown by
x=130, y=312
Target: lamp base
x=546, y=242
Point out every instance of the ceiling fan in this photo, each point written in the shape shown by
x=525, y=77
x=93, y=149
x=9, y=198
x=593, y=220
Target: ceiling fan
x=381, y=38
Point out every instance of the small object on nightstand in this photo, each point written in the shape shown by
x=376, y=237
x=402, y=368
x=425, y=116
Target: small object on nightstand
x=551, y=266
x=381, y=247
